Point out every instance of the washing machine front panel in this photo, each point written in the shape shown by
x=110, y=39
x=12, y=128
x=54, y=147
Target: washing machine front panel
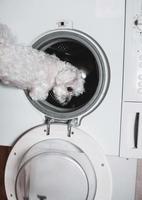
x=105, y=24
x=64, y=159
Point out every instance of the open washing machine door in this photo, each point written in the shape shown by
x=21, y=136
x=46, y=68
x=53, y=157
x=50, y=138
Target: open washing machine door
x=56, y=166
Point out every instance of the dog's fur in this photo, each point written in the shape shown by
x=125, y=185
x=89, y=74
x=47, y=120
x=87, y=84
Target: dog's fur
x=29, y=69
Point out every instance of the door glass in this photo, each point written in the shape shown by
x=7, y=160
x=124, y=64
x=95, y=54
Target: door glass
x=58, y=171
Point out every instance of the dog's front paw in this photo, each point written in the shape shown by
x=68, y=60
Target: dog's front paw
x=37, y=94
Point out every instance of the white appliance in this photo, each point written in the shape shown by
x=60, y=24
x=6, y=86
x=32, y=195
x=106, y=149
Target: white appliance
x=131, y=140
x=90, y=34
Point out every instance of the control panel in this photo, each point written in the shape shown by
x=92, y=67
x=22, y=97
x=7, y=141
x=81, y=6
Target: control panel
x=133, y=52
x=131, y=126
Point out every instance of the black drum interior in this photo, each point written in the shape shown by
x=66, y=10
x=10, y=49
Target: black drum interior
x=80, y=56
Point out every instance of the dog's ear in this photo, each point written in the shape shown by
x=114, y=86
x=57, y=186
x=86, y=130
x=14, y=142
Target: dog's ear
x=65, y=77
x=83, y=74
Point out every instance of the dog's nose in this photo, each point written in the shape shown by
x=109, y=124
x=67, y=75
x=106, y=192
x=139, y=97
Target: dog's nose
x=69, y=89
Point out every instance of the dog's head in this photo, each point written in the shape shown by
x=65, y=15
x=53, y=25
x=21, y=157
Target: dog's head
x=69, y=83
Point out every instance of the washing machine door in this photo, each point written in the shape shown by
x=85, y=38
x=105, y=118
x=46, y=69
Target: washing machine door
x=59, y=171
x=57, y=167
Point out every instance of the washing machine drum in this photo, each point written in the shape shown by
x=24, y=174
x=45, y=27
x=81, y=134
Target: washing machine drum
x=57, y=167
x=84, y=53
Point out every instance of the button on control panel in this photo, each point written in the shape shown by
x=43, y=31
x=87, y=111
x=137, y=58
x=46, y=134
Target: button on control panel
x=138, y=23
x=139, y=71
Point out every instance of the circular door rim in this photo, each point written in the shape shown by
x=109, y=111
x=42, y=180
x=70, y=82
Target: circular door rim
x=79, y=138
x=103, y=86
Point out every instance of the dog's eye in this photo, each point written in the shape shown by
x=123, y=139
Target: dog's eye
x=69, y=89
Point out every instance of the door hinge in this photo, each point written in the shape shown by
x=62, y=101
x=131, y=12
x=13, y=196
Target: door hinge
x=70, y=123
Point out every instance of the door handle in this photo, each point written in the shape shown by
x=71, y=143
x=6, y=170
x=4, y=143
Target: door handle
x=136, y=130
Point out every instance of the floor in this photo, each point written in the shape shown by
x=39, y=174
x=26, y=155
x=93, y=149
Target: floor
x=139, y=181
x=4, y=152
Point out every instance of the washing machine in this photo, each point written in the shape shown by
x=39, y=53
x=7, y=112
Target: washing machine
x=60, y=152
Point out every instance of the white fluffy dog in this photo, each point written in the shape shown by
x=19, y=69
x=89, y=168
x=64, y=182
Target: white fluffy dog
x=29, y=69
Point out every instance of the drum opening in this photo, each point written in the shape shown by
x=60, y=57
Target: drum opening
x=83, y=53
x=81, y=57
